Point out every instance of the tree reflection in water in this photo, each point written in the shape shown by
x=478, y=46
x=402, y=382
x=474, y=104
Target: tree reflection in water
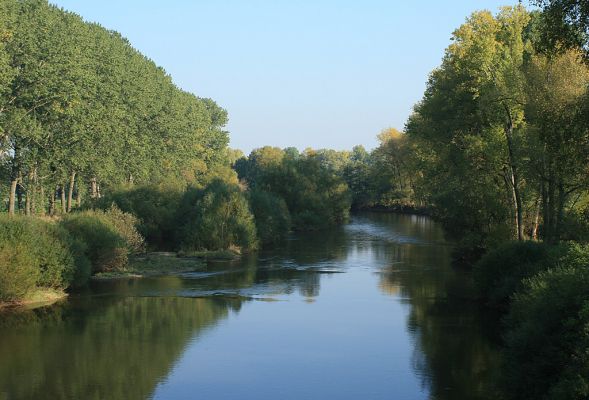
x=454, y=353
x=121, y=339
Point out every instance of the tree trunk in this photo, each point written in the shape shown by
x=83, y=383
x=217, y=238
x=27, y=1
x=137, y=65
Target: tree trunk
x=35, y=188
x=19, y=190
x=28, y=202
x=93, y=188
x=63, y=205
x=536, y=219
x=12, y=196
x=34, y=200
x=79, y=195
x=514, y=179
x=70, y=194
x=28, y=194
x=551, y=233
x=52, y=202
x=15, y=173
x=42, y=197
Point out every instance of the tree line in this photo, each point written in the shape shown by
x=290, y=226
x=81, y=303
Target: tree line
x=81, y=110
x=499, y=150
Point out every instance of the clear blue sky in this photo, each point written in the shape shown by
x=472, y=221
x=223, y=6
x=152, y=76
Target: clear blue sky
x=313, y=73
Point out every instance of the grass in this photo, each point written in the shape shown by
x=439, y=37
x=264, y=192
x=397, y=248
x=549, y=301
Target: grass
x=220, y=255
x=153, y=264
x=37, y=298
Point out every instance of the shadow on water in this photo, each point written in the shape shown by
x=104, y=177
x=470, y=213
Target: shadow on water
x=120, y=339
x=455, y=353
x=110, y=348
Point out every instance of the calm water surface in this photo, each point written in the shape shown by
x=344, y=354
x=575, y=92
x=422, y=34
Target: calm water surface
x=371, y=310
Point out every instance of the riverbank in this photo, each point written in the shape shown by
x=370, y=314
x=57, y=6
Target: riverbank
x=167, y=263
x=37, y=298
x=398, y=209
x=189, y=330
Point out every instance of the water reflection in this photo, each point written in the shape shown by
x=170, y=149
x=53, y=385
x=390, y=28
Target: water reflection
x=99, y=348
x=454, y=354
x=389, y=319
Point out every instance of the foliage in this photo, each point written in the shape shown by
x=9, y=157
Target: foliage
x=271, y=215
x=565, y=23
x=107, y=247
x=316, y=196
x=81, y=109
x=35, y=253
x=500, y=272
x=499, y=140
x=547, y=354
x=125, y=225
x=155, y=207
x=216, y=217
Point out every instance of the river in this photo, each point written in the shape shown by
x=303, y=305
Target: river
x=370, y=310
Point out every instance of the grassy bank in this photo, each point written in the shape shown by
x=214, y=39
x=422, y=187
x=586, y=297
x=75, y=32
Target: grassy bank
x=155, y=264
x=37, y=298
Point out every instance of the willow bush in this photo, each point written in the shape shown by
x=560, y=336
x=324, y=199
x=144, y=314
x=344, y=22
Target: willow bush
x=35, y=253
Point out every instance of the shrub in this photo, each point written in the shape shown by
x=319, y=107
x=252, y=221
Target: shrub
x=154, y=206
x=126, y=225
x=83, y=271
x=18, y=272
x=547, y=341
x=34, y=252
x=216, y=218
x=315, y=195
x=271, y=215
x=498, y=275
x=105, y=245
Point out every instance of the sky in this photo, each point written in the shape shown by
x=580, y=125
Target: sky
x=302, y=73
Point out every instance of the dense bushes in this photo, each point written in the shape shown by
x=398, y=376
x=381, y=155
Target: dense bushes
x=57, y=254
x=213, y=216
x=271, y=215
x=315, y=195
x=33, y=253
x=499, y=274
x=216, y=217
x=154, y=206
x=110, y=236
x=544, y=291
x=547, y=354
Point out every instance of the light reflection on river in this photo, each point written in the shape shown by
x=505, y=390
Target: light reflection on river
x=371, y=310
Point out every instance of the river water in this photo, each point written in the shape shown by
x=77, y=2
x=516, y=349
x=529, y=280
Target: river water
x=371, y=310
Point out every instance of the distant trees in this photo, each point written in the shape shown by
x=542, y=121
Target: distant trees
x=81, y=111
x=316, y=196
x=216, y=217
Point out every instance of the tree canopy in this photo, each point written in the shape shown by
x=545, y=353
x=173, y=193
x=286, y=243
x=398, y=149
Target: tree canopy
x=82, y=110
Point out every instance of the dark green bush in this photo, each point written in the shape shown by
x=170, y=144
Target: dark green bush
x=154, y=206
x=547, y=340
x=271, y=215
x=106, y=247
x=18, y=272
x=216, y=218
x=499, y=274
x=83, y=271
x=34, y=253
